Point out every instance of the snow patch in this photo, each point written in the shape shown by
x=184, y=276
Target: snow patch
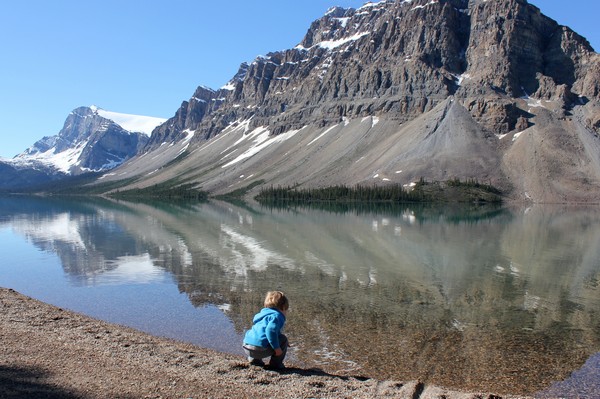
x=229, y=86
x=461, y=78
x=62, y=161
x=374, y=121
x=106, y=175
x=132, y=123
x=262, y=140
x=371, y=4
x=323, y=134
x=330, y=10
x=343, y=21
x=428, y=4
x=532, y=102
x=516, y=136
x=188, y=135
x=410, y=185
x=108, y=165
x=332, y=44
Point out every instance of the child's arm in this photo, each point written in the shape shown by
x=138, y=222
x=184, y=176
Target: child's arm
x=272, y=331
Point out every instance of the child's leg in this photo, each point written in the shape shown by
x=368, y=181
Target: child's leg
x=256, y=354
x=277, y=361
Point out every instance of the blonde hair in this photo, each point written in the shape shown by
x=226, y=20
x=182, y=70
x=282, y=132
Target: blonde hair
x=276, y=300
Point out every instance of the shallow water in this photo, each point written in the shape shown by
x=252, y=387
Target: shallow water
x=496, y=299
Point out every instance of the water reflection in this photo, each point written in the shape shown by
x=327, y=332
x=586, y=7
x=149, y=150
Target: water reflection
x=493, y=299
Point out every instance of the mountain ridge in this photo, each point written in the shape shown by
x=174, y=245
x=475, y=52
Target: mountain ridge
x=455, y=88
x=498, y=69
x=90, y=141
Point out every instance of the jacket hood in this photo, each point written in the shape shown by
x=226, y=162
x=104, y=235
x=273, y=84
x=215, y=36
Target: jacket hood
x=267, y=312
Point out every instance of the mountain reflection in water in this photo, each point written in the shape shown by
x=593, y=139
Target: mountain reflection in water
x=496, y=299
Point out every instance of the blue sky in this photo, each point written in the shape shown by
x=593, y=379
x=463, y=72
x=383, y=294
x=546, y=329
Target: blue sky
x=146, y=56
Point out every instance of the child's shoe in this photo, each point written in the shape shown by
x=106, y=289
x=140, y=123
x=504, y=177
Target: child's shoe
x=256, y=362
x=275, y=367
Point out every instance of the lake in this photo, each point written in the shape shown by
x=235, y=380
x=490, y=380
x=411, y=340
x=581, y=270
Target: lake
x=502, y=299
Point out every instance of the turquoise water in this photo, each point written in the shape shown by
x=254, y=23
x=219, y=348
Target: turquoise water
x=495, y=299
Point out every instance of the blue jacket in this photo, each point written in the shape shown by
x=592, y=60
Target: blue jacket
x=266, y=327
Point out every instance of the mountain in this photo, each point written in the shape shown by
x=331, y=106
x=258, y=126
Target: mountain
x=396, y=91
x=91, y=140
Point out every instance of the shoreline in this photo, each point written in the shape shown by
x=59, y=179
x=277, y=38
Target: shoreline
x=50, y=352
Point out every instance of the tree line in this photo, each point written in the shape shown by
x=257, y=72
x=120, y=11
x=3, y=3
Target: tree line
x=453, y=190
x=342, y=193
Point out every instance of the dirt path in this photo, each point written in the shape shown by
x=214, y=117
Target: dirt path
x=48, y=352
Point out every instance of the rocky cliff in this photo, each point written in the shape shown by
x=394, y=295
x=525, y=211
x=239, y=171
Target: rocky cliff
x=481, y=89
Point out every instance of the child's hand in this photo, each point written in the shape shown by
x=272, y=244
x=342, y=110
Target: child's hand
x=278, y=352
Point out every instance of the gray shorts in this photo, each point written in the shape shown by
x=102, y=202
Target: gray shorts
x=258, y=352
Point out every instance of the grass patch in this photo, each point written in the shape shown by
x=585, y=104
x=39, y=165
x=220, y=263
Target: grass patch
x=78, y=185
x=240, y=192
x=164, y=191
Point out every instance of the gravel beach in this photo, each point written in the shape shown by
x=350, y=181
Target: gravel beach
x=48, y=352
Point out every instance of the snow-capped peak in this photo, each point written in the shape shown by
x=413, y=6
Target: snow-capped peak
x=370, y=4
x=335, y=11
x=132, y=123
x=74, y=149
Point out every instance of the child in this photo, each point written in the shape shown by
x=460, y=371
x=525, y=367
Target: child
x=265, y=339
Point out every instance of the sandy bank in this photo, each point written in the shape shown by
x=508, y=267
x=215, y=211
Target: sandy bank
x=48, y=352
